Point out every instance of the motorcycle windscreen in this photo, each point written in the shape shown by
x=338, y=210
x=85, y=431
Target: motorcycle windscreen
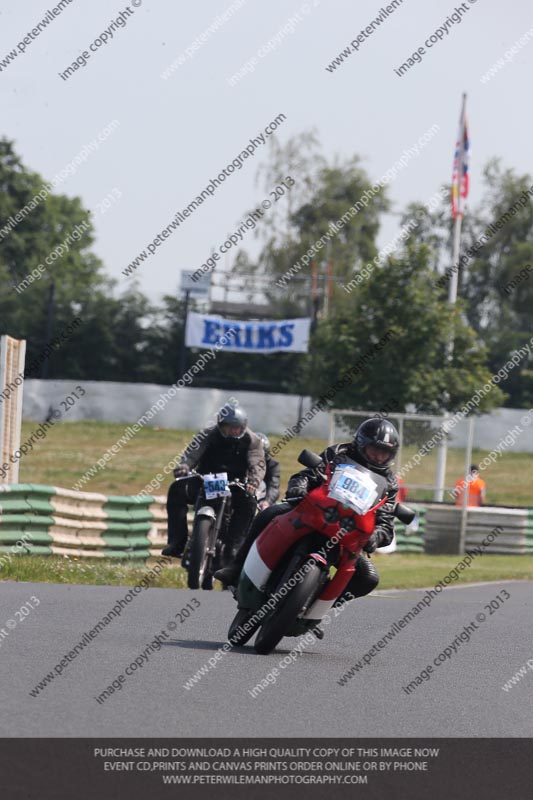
x=356, y=487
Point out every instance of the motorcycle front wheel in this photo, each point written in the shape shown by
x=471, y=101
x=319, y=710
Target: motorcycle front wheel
x=199, y=559
x=237, y=636
x=287, y=611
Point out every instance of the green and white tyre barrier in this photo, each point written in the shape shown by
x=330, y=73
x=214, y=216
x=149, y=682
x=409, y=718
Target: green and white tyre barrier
x=48, y=519
x=408, y=540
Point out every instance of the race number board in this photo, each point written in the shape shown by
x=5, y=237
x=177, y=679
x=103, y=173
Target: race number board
x=353, y=488
x=216, y=485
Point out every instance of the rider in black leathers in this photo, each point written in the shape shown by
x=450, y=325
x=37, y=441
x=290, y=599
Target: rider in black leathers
x=374, y=445
x=229, y=446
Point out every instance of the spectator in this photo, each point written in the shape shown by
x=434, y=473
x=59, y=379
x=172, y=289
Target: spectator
x=476, y=489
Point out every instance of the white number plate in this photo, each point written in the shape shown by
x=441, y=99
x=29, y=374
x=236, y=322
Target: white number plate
x=353, y=488
x=216, y=485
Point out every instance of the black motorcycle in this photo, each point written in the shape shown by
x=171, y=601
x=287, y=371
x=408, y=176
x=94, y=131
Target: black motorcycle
x=205, y=548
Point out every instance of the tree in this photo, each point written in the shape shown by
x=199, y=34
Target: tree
x=494, y=281
x=58, y=229
x=412, y=367
x=322, y=193
x=298, y=159
x=46, y=254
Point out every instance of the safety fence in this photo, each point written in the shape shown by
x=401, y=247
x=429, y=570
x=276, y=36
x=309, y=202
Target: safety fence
x=439, y=530
x=46, y=520
x=443, y=524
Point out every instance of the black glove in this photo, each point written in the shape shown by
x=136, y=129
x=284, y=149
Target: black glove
x=372, y=544
x=296, y=490
x=181, y=470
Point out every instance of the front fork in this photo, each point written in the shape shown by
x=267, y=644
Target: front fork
x=333, y=588
x=216, y=544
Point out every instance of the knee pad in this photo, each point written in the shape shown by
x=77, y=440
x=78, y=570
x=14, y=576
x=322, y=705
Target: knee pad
x=366, y=578
x=175, y=494
x=372, y=573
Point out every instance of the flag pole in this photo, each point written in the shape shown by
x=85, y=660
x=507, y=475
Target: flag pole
x=454, y=277
x=457, y=207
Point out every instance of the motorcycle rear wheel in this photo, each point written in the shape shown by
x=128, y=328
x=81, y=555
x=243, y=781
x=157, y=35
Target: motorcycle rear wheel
x=199, y=558
x=285, y=614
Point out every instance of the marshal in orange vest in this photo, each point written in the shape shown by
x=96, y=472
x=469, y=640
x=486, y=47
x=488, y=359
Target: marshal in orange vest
x=476, y=489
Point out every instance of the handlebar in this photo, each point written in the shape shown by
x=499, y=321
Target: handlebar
x=236, y=482
x=241, y=485
x=190, y=474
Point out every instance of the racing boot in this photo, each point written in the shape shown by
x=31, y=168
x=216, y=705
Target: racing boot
x=171, y=550
x=229, y=574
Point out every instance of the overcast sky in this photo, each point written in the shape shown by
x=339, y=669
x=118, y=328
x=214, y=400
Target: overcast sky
x=176, y=134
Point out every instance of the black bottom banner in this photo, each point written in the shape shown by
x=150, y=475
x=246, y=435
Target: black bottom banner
x=414, y=769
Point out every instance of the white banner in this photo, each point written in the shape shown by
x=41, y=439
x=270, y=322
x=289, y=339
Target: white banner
x=239, y=336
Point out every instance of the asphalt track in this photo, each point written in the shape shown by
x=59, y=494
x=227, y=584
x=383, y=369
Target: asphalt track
x=463, y=696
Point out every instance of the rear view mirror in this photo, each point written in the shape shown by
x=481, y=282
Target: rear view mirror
x=310, y=459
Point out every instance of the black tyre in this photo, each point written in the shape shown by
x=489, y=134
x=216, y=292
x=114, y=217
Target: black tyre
x=208, y=581
x=237, y=637
x=199, y=558
x=287, y=611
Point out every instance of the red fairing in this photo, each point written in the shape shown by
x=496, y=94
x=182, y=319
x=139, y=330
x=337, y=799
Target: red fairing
x=310, y=515
x=279, y=535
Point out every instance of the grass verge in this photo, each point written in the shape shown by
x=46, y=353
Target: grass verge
x=409, y=571
x=412, y=571
x=94, y=571
x=71, y=448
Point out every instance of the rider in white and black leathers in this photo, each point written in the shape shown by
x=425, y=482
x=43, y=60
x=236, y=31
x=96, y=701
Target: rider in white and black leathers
x=374, y=445
x=272, y=479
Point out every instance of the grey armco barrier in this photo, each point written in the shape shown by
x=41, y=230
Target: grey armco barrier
x=443, y=525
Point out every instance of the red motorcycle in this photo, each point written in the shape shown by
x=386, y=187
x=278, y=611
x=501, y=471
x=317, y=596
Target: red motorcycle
x=304, y=559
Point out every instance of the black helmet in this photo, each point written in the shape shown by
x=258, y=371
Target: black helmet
x=231, y=416
x=379, y=433
x=266, y=442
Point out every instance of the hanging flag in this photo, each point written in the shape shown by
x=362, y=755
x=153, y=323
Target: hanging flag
x=460, y=165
